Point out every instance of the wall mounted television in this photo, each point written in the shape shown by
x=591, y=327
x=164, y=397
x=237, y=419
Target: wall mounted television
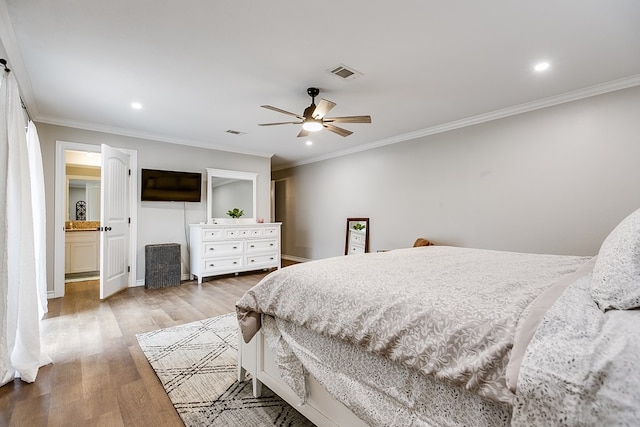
x=170, y=186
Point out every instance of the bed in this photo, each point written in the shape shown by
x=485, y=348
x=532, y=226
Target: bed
x=443, y=336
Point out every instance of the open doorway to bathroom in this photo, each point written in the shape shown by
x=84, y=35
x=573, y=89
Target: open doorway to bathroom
x=82, y=202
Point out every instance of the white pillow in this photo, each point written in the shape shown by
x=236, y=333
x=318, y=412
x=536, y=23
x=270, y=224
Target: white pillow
x=615, y=282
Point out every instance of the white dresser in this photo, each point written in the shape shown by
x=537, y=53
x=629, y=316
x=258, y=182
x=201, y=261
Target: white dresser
x=232, y=248
x=356, y=242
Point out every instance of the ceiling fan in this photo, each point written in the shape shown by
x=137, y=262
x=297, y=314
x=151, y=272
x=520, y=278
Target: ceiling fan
x=313, y=118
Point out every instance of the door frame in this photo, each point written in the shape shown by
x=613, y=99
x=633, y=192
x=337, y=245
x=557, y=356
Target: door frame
x=60, y=211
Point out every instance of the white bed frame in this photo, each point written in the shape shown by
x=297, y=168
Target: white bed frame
x=321, y=408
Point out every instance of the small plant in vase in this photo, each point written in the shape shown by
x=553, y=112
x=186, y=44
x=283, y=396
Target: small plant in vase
x=235, y=213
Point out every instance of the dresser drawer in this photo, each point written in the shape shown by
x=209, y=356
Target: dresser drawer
x=264, y=260
x=261, y=245
x=222, y=264
x=270, y=231
x=223, y=248
x=243, y=232
x=357, y=239
x=214, y=234
x=356, y=249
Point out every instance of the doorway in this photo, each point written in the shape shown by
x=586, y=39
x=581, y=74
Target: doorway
x=82, y=238
x=62, y=211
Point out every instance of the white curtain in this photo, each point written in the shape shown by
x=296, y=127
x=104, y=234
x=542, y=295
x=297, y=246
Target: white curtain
x=39, y=216
x=21, y=252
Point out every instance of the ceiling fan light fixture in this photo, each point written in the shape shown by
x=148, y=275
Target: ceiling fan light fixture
x=314, y=117
x=312, y=125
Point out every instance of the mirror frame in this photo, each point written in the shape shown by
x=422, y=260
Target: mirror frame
x=366, y=234
x=230, y=174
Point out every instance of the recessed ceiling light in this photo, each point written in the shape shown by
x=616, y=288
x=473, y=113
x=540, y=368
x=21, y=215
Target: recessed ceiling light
x=309, y=142
x=541, y=66
x=136, y=105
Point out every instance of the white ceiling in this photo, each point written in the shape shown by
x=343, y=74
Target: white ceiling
x=202, y=67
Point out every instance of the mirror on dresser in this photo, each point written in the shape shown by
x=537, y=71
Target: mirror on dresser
x=357, y=236
x=226, y=190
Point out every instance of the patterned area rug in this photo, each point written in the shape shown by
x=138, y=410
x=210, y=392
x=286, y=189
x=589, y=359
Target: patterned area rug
x=196, y=364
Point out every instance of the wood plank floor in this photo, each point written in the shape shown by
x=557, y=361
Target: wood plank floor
x=99, y=375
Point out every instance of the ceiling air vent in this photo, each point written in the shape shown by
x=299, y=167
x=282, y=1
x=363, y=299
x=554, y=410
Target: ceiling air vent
x=235, y=132
x=344, y=72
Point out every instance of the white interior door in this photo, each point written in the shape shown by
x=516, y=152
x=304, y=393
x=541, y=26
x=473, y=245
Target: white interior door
x=114, y=221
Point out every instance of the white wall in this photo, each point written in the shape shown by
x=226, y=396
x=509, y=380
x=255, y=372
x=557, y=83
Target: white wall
x=555, y=180
x=158, y=222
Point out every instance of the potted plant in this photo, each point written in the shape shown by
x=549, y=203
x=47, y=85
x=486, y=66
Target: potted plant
x=358, y=226
x=235, y=213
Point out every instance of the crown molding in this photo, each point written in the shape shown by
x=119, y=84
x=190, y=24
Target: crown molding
x=575, y=95
x=148, y=136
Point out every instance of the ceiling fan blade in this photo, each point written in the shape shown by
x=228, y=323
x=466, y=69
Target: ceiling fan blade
x=269, y=107
x=336, y=129
x=348, y=119
x=323, y=108
x=280, y=123
x=303, y=133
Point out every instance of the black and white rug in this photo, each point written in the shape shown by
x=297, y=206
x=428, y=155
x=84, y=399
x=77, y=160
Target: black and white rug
x=196, y=364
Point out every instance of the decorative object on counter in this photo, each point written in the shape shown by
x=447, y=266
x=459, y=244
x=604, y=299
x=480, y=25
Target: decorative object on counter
x=235, y=213
x=81, y=210
x=260, y=220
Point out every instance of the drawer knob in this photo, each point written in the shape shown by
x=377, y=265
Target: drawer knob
x=212, y=265
x=235, y=262
x=235, y=247
x=253, y=246
x=211, y=249
x=253, y=260
x=270, y=244
x=271, y=258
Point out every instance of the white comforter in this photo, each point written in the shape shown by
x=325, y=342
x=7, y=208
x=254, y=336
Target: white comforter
x=582, y=366
x=449, y=313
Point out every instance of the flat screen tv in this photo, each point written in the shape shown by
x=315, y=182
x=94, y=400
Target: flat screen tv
x=170, y=186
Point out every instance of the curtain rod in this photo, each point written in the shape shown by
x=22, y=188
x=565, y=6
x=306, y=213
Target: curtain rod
x=3, y=62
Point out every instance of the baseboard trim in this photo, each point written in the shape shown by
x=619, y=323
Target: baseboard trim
x=294, y=258
x=141, y=281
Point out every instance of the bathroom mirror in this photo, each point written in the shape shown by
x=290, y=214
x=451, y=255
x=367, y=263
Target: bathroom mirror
x=357, y=236
x=226, y=190
x=83, y=190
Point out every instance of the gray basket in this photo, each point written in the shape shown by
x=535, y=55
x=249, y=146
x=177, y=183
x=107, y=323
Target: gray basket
x=162, y=265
